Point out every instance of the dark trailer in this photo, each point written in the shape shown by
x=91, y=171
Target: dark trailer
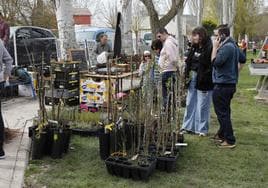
x=28, y=44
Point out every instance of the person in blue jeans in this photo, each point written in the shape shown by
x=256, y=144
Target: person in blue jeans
x=227, y=59
x=199, y=69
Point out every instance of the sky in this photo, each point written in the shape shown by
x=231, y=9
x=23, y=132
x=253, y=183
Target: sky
x=97, y=5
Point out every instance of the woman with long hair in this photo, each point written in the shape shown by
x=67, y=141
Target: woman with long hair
x=199, y=69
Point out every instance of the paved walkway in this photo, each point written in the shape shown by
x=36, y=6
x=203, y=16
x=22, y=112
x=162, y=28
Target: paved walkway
x=17, y=114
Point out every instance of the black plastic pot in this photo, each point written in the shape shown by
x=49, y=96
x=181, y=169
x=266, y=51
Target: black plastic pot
x=87, y=132
x=49, y=141
x=166, y=163
x=67, y=132
x=38, y=144
x=180, y=138
x=57, y=144
x=127, y=169
x=135, y=175
x=118, y=170
x=31, y=130
x=104, y=142
x=110, y=165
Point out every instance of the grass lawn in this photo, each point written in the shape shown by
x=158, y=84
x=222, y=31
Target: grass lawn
x=202, y=163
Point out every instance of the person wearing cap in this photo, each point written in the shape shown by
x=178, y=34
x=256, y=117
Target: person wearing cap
x=145, y=68
x=103, y=45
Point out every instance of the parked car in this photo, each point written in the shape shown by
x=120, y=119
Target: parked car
x=92, y=35
x=148, y=37
x=142, y=46
x=28, y=45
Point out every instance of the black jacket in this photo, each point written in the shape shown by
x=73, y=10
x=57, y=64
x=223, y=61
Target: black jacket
x=204, y=71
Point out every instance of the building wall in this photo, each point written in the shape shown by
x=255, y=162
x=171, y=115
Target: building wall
x=82, y=19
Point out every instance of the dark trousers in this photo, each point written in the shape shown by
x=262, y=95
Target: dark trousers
x=222, y=96
x=1, y=119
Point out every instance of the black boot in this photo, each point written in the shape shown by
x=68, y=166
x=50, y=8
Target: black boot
x=2, y=152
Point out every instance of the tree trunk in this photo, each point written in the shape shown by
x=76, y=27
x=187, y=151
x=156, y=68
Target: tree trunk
x=225, y=9
x=155, y=22
x=200, y=8
x=64, y=14
x=127, y=43
x=220, y=11
x=180, y=37
x=232, y=14
x=137, y=42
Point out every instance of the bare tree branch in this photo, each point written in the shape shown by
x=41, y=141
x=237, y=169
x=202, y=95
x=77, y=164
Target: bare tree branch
x=154, y=16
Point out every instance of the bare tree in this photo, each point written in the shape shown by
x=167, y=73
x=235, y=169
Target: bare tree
x=197, y=8
x=180, y=37
x=17, y=12
x=155, y=20
x=180, y=25
x=127, y=43
x=43, y=14
x=109, y=13
x=232, y=13
x=227, y=13
x=29, y=12
x=200, y=11
x=65, y=26
x=138, y=15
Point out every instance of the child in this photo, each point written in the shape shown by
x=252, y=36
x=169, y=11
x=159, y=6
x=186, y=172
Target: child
x=145, y=67
x=156, y=47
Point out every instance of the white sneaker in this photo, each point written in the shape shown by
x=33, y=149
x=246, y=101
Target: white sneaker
x=202, y=134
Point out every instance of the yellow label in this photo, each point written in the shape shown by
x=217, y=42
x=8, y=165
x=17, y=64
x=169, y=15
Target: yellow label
x=55, y=137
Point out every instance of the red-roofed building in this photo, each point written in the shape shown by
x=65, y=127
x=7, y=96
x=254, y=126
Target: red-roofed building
x=82, y=16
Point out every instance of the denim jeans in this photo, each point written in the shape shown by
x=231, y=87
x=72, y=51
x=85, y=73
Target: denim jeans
x=167, y=77
x=197, y=112
x=222, y=96
x=1, y=118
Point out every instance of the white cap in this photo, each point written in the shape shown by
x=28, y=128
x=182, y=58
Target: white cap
x=146, y=52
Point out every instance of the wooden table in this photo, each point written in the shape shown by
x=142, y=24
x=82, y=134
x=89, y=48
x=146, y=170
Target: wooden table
x=119, y=79
x=262, y=85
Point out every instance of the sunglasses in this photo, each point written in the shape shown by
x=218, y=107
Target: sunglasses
x=146, y=56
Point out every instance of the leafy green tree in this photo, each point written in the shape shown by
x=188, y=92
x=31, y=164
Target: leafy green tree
x=210, y=25
x=210, y=11
x=246, y=17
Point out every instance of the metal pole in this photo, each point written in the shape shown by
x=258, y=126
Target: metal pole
x=15, y=48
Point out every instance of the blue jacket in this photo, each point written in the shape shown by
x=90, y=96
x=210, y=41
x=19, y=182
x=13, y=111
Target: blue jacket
x=225, y=65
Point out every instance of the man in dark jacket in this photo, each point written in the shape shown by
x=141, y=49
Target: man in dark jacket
x=4, y=30
x=226, y=59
